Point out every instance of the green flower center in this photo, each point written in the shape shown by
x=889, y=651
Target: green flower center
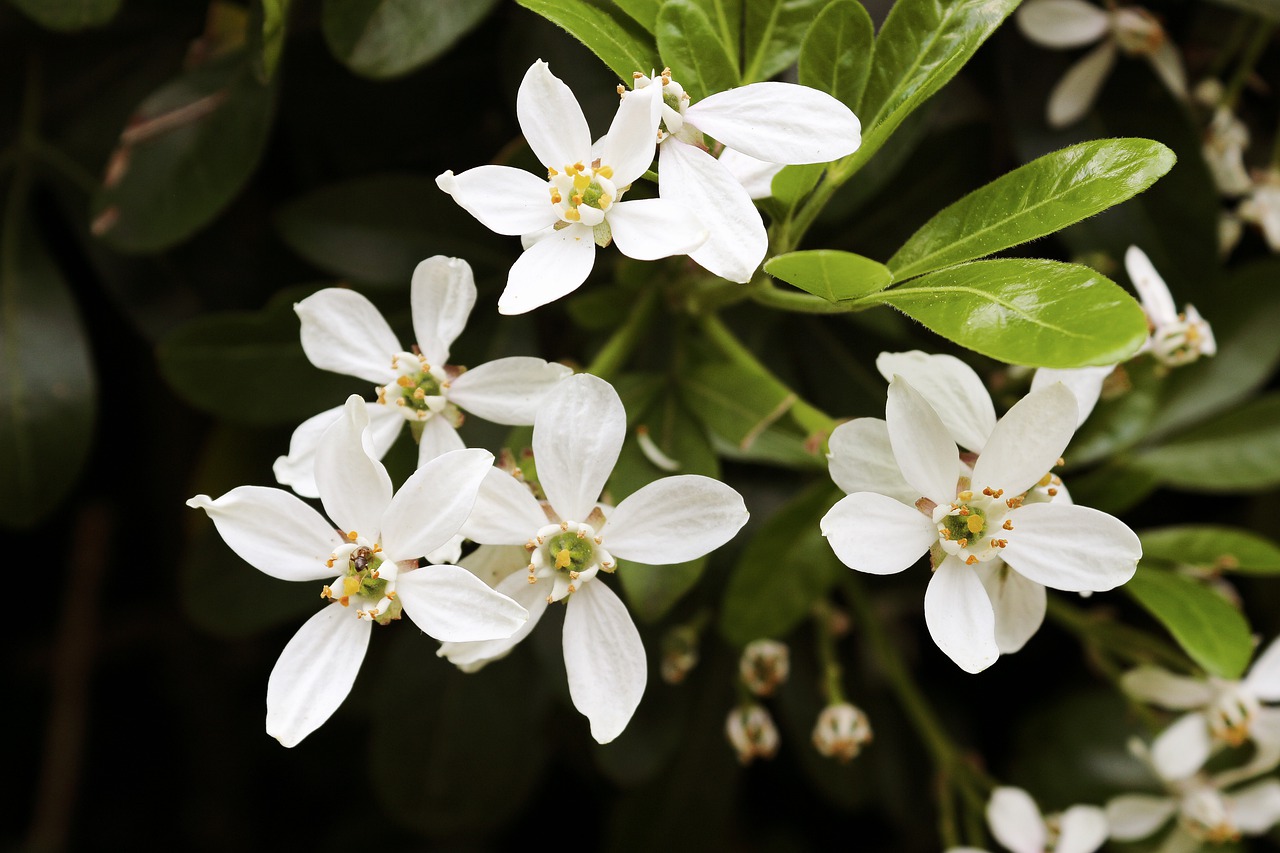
x=570, y=552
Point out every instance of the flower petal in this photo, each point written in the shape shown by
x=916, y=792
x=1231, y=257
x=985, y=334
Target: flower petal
x=1256, y=808
x=1264, y=676
x=354, y=487
x=273, y=531
x=433, y=503
x=756, y=176
x=1159, y=687
x=921, y=444
x=877, y=534
x=629, y=145
x=1085, y=383
x=1019, y=604
x=861, y=460
x=1071, y=547
x=604, y=659
x=555, y=265
x=531, y=596
x=342, y=332
x=550, y=118
x=652, y=228
x=455, y=606
x=507, y=390
x=1134, y=816
x=736, y=241
x=1015, y=820
x=577, y=435
x=1076, y=91
x=298, y=469
x=1062, y=23
x=953, y=389
x=1183, y=748
x=442, y=296
x=315, y=672
x=506, y=512
x=506, y=200
x=779, y=122
x=1081, y=829
x=1166, y=61
x=438, y=438
x=673, y=520
x=1028, y=440
x=959, y=616
x=1156, y=299
x=494, y=563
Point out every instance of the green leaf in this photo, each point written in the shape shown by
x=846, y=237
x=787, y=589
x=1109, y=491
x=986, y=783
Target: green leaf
x=1212, y=547
x=643, y=12
x=267, y=35
x=615, y=45
x=734, y=402
x=785, y=567
x=833, y=275
x=1239, y=451
x=793, y=183
x=1033, y=312
x=381, y=39
x=697, y=55
x=48, y=389
x=1039, y=198
x=68, y=15
x=1208, y=628
x=772, y=31
x=1266, y=8
x=835, y=56
x=184, y=155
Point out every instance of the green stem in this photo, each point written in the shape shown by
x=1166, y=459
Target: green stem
x=768, y=293
x=831, y=670
x=62, y=164
x=1252, y=52
x=1119, y=640
x=614, y=354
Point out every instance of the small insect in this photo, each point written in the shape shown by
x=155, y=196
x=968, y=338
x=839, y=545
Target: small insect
x=360, y=559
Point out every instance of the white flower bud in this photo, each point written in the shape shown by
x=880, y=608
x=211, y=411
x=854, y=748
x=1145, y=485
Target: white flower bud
x=764, y=665
x=841, y=731
x=752, y=732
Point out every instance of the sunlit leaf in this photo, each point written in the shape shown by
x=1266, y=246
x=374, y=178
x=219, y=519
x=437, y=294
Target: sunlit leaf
x=1208, y=628
x=697, y=55
x=772, y=31
x=267, y=35
x=616, y=46
x=833, y=275
x=1212, y=547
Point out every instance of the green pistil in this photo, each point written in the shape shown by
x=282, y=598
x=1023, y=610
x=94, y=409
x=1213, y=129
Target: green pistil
x=570, y=552
x=411, y=384
x=363, y=566
x=964, y=526
x=671, y=100
x=591, y=196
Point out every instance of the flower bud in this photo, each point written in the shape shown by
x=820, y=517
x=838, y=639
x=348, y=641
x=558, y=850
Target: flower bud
x=841, y=731
x=764, y=665
x=752, y=732
x=679, y=653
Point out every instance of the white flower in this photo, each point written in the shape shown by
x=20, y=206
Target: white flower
x=936, y=510
x=1225, y=140
x=1017, y=824
x=764, y=665
x=752, y=732
x=577, y=436
x=374, y=552
x=343, y=332
x=1222, y=712
x=1262, y=207
x=1176, y=339
x=578, y=206
x=770, y=123
x=841, y=732
x=1076, y=23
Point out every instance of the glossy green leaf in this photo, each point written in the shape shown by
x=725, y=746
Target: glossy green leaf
x=690, y=45
x=1212, y=547
x=772, y=31
x=833, y=275
x=1239, y=451
x=785, y=567
x=1033, y=312
x=1113, y=488
x=1208, y=628
x=68, y=15
x=1032, y=201
x=615, y=45
x=48, y=387
x=643, y=12
x=1117, y=423
x=267, y=35
x=734, y=402
x=793, y=183
x=184, y=155
x=388, y=38
x=835, y=56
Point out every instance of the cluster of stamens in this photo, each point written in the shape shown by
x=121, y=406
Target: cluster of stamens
x=675, y=100
x=966, y=526
x=581, y=193
x=416, y=391
x=570, y=554
x=1205, y=815
x=361, y=562
x=1232, y=713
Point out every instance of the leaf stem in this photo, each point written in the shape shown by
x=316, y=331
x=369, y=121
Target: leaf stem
x=614, y=354
x=831, y=671
x=1119, y=640
x=1248, y=60
x=767, y=293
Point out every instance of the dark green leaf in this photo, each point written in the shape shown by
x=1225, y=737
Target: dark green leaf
x=1037, y=199
x=835, y=56
x=833, y=275
x=1121, y=422
x=1239, y=451
x=1032, y=312
x=772, y=31
x=266, y=36
x=1208, y=628
x=734, y=402
x=1266, y=8
x=697, y=56
x=615, y=45
x=1115, y=487
x=69, y=14
x=1212, y=547
x=388, y=38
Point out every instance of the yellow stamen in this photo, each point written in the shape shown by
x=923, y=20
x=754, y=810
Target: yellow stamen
x=605, y=200
x=563, y=558
x=404, y=382
x=572, y=215
x=353, y=536
x=965, y=496
x=605, y=172
x=350, y=586
x=581, y=182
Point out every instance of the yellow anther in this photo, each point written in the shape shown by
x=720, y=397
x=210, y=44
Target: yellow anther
x=965, y=496
x=326, y=592
x=605, y=200
x=946, y=534
x=555, y=196
x=563, y=559
x=636, y=75
x=578, y=165
x=350, y=586
x=1053, y=492
x=963, y=543
x=573, y=576
x=1060, y=462
x=605, y=172
x=576, y=200
x=551, y=173
x=344, y=601
x=419, y=394
x=988, y=492
x=353, y=536
x=975, y=524
x=622, y=90
x=404, y=382
x=572, y=215
x=972, y=559
x=1045, y=480
x=571, y=170
x=1008, y=524
x=596, y=539
x=391, y=596
x=581, y=182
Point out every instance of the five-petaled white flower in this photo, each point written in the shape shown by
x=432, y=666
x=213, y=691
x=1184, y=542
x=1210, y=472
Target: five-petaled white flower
x=374, y=552
x=778, y=123
x=964, y=521
x=577, y=207
x=1076, y=23
x=343, y=332
x=1176, y=339
x=570, y=539
x=1016, y=822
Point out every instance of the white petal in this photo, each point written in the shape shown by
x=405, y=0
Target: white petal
x=354, y=487
x=779, y=122
x=1019, y=604
x=438, y=438
x=1082, y=829
x=959, y=616
x=555, y=265
x=1028, y=440
x=455, y=606
x=1265, y=732
x=1256, y=808
x=442, y=296
x=493, y=563
x=1071, y=548
x=550, y=118
x=1015, y=820
x=1076, y=91
x=1180, y=841
x=1154, y=293
x=315, y=672
x=506, y=512
x=736, y=241
x=506, y=200
x=604, y=659
x=1166, y=61
x=342, y=332
x=1160, y=687
x=1085, y=383
x=298, y=469
x=652, y=228
x=433, y=503
x=1062, y=23
x=507, y=390
x=921, y=444
x=1264, y=676
x=1183, y=748
x=633, y=134
x=1134, y=816
x=576, y=439
x=861, y=460
x=273, y=531
x=532, y=597
x=877, y=534
x=674, y=520
x=756, y=176
x=953, y=389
